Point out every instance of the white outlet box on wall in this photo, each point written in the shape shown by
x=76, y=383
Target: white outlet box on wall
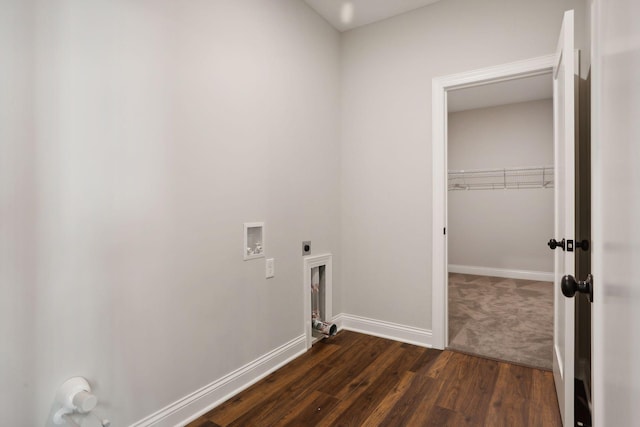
x=253, y=240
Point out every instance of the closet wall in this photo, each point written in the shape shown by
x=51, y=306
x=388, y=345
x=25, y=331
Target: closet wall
x=501, y=229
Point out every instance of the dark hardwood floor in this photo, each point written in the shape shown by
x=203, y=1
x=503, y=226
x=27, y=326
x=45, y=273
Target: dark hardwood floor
x=360, y=380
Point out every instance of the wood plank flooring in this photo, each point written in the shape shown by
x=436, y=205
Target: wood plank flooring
x=359, y=380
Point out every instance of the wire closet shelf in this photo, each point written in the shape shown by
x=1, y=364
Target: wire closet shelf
x=498, y=179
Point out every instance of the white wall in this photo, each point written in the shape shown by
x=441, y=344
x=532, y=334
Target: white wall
x=17, y=279
x=161, y=127
x=157, y=127
x=615, y=209
x=386, y=132
x=502, y=229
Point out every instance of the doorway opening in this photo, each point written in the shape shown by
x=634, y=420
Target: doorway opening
x=442, y=89
x=565, y=66
x=500, y=154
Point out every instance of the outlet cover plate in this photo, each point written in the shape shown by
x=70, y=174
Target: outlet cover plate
x=270, y=268
x=306, y=247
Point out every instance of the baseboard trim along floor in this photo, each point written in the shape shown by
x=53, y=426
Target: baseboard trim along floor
x=542, y=276
x=382, y=329
x=208, y=397
x=199, y=402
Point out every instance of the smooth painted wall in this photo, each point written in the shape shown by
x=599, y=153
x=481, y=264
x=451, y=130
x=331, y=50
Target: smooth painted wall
x=152, y=129
x=158, y=128
x=17, y=276
x=503, y=229
x=387, y=71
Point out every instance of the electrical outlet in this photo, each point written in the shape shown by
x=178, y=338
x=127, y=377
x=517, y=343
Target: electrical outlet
x=270, y=268
x=306, y=248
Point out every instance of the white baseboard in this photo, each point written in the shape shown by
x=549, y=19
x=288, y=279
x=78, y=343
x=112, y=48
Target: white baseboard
x=379, y=328
x=201, y=401
x=192, y=406
x=502, y=272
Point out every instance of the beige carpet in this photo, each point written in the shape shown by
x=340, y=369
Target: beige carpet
x=504, y=319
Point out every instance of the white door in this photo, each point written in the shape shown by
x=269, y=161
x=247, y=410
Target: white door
x=564, y=140
x=615, y=212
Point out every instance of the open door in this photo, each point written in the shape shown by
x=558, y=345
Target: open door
x=564, y=146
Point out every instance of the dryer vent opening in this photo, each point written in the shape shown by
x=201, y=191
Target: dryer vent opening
x=317, y=298
x=318, y=303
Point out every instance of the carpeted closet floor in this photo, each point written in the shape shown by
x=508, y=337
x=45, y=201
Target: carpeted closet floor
x=504, y=319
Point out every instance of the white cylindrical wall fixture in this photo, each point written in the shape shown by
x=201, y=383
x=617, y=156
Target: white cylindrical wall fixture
x=84, y=401
x=76, y=391
x=74, y=396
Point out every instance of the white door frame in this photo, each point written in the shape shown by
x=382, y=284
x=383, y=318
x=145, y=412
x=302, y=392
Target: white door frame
x=440, y=87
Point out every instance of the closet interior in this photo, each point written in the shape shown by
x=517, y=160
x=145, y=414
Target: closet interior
x=500, y=207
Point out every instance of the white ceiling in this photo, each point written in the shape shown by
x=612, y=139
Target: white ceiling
x=363, y=11
x=502, y=93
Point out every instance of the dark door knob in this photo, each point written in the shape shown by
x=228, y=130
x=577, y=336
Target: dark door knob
x=570, y=286
x=582, y=244
x=553, y=243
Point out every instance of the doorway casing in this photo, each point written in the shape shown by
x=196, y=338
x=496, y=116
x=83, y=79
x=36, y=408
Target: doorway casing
x=440, y=87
